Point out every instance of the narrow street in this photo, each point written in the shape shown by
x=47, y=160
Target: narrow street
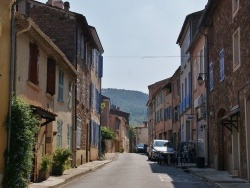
x=134, y=170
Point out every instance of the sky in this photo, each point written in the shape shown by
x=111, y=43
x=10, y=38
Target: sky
x=138, y=36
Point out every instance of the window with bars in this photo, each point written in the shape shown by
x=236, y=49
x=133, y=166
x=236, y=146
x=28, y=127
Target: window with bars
x=60, y=85
x=59, y=134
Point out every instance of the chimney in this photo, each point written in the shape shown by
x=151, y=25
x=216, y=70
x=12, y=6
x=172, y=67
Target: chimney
x=50, y=2
x=58, y=3
x=66, y=5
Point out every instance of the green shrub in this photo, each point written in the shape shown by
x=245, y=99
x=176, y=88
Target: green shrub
x=24, y=126
x=46, y=163
x=60, y=159
x=107, y=134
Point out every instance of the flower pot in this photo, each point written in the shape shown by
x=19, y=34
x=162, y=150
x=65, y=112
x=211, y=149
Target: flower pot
x=43, y=175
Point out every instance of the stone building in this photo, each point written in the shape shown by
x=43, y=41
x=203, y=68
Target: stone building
x=158, y=92
x=78, y=42
x=175, y=80
x=226, y=24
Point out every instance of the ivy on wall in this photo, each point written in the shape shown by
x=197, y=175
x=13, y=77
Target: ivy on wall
x=24, y=126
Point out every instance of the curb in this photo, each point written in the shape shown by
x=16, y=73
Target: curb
x=73, y=176
x=70, y=179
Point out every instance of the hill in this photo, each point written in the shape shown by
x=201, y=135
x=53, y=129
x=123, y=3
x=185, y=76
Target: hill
x=133, y=102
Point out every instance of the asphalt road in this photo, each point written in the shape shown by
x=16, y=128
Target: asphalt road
x=131, y=170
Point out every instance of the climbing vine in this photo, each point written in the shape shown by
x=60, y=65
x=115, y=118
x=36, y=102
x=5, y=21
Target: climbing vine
x=24, y=126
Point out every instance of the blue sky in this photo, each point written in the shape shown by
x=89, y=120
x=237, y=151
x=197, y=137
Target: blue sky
x=138, y=37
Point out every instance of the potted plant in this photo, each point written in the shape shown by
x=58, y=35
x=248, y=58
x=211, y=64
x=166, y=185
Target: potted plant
x=45, y=167
x=60, y=158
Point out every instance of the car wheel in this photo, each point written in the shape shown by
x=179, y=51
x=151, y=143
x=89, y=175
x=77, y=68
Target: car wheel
x=149, y=158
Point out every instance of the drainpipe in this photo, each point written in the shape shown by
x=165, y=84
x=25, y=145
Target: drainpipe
x=12, y=71
x=11, y=84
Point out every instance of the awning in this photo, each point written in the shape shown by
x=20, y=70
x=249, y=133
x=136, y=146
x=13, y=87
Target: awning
x=231, y=119
x=45, y=114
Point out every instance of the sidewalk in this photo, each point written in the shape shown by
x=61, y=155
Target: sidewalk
x=74, y=173
x=218, y=179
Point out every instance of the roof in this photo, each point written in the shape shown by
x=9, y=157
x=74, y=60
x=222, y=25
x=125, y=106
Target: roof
x=193, y=17
x=32, y=30
x=96, y=39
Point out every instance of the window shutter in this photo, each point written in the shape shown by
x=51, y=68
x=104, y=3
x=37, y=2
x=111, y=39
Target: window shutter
x=221, y=65
x=211, y=76
x=60, y=86
x=100, y=67
x=78, y=41
x=33, y=64
x=82, y=46
x=51, y=76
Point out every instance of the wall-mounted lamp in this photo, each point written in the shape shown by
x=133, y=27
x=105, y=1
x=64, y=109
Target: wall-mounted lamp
x=200, y=78
x=54, y=133
x=202, y=127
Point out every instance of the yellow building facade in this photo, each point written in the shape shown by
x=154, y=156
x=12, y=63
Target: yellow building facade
x=5, y=29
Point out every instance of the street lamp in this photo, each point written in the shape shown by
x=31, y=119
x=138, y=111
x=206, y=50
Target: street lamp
x=200, y=78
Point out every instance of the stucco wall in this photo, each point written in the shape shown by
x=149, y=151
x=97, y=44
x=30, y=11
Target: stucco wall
x=4, y=75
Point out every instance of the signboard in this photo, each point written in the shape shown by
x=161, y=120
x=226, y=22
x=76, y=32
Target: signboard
x=189, y=117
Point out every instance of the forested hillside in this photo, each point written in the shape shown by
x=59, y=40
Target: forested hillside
x=133, y=102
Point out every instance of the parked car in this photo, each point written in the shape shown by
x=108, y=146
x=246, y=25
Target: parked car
x=160, y=149
x=141, y=148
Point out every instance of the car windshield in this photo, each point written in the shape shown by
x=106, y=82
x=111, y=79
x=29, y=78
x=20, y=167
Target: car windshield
x=140, y=145
x=162, y=143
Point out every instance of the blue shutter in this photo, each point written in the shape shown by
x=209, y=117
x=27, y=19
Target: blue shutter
x=211, y=75
x=100, y=67
x=221, y=65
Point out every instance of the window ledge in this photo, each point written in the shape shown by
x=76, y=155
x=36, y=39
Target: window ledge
x=52, y=97
x=34, y=86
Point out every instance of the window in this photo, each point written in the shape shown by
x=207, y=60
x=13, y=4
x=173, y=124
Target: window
x=33, y=64
x=51, y=76
x=236, y=49
x=195, y=75
x=178, y=86
x=235, y=6
x=83, y=90
x=79, y=41
x=60, y=86
x=211, y=76
x=78, y=133
x=78, y=89
x=202, y=66
x=222, y=65
x=86, y=52
x=59, y=134
x=82, y=46
x=69, y=134
x=70, y=94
